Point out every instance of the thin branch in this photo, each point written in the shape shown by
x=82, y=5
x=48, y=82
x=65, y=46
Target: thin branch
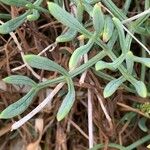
x=49, y=98
x=105, y=112
x=83, y=76
x=90, y=119
x=144, y=47
x=136, y=16
x=79, y=129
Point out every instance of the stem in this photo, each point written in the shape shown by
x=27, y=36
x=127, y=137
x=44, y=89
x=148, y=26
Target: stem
x=75, y=72
x=139, y=142
x=112, y=145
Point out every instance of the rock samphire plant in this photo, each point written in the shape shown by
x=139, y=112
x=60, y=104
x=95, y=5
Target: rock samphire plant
x=102, y=30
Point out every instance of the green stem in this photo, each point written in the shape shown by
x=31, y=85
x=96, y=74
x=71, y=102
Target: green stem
x=75, y=72
x=127, y=6
x=112, y=145
x=138, y=143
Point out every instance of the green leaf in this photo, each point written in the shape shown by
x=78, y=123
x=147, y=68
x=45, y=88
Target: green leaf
x=130, y=62
x=67, y=36
x=112, y=86
x=140, y=88
x=20, y=106
x=108, y=28
x=46, y=64
x=100, y=65
x=110, y=145
x=145, y=61
x=88, y=9
x=35, y=13
x=142, y=124
x=19, y=80
x=80, y=11
x=18, y=3
x=121, y=34
x=40, y=62
x=13, y=24
x=128, y=117
x=79, y=52
x=5, y=16
x=34, y=16
x=65, y=18
x=67, y=102
x=112, y=66
x=98, y=18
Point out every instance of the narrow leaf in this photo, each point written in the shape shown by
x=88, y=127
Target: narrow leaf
x=80, y=11
x=142, y=124
x=108, y=28
x=18, y=3
x=40, y=62
x=112, y=66
x=130, y=62
x=13, y=24
x=34, y=16
x=121, y=34
x=35, y=13
x=140, y=88
x=20, y=106
x=98, y=18
x=19, y=80
x=145, y=61
x=112, y=86
x=79, y=52
x=67, y=102
x=67, y=36
x=5, y=16
x=88, y=8
x=65, y=18
x=128, y=117
x=100, y=65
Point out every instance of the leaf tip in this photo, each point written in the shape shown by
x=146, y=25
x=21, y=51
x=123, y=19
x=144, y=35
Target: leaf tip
x=5, y=79
x=106, y=95
x=27, y=57
x=59, y=118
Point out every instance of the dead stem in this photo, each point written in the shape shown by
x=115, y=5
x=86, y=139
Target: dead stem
x=49, y=98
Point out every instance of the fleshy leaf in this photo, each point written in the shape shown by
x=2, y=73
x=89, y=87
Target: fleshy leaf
x=20, y=106
x=112, y=86
x=121, y=34
x=40, y=62
x=88, y=9
x=46, y=64
x=98, y=18
x=35, y=13
x=130, y=62
x=108, y=28
x=18, y=3
x=34, y=16
x=5, y=16
x=65, y=18
x=80, y=10
x=78, y=53
x=67, y=36
x=145, y=61
x=112, y=66
x=142, y=124
x=100, y=65
x=140, y=88
x=67, y=102
x=19, y=80
x=13, y=24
